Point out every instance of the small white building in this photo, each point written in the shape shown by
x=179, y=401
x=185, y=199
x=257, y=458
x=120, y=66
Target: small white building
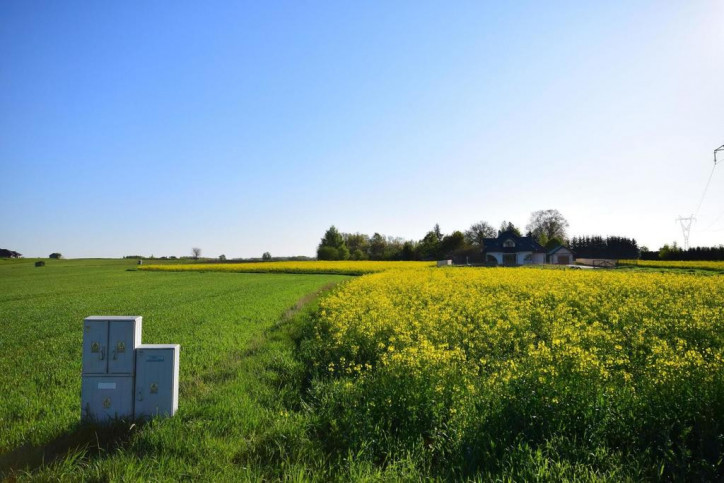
x=561, y=255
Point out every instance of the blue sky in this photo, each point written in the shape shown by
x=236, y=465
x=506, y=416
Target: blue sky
x=243, y=127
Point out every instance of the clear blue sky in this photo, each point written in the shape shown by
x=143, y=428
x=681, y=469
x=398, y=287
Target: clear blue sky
x=242, y=127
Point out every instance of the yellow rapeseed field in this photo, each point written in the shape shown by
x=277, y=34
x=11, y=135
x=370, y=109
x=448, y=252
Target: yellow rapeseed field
x=504, y=323
x=458, y=360
x=335, y=267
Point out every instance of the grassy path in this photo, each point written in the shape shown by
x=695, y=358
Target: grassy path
x=239, y=382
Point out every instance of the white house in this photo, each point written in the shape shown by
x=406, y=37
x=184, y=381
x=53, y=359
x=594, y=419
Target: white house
x=511, y=249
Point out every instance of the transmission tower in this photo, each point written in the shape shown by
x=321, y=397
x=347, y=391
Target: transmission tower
x=686, y=223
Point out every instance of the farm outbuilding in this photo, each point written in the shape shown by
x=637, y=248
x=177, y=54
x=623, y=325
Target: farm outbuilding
x=5, y=253
x=561, y=255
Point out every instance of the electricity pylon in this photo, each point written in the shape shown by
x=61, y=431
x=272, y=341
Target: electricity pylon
x=686, y=223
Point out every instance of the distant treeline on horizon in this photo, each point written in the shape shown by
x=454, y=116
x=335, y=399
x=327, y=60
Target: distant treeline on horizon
x=675, y=253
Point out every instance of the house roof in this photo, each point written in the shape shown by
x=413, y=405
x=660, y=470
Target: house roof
x=559, y=247
x=522, y=244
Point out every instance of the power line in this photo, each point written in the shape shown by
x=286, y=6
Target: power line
x=686, y=222
x=717, y=150
x=716, y=220
x=708, y=182
x=706, y=188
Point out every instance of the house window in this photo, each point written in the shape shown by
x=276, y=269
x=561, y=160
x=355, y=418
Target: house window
x=508, y=243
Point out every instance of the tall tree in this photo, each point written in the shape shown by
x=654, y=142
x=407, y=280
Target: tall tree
x=378, y=244
x=429, y=246
x=332, y=246
x=452, y=243
x=509, y=226
x=478, y=232
x=408, y=251
x=436, y=231
x=393, y=249
x=358, y=244
x=547, y=224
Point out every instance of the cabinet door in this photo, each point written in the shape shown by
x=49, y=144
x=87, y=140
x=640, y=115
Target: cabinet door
x=105, y=398
x=156, y=385
x=95, y=347
x=121, y=342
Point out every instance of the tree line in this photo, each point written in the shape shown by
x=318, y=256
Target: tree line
x=547, y=226
x=674, y=252
x=359, y=246
x=616, y=247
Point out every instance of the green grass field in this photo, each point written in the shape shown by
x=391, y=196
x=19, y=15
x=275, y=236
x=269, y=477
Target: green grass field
x=239, y=384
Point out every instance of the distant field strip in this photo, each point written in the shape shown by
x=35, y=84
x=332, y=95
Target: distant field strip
x=331, y=267
x=693, y=264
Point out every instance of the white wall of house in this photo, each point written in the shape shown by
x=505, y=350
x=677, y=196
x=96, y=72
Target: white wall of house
x=497, y=255
x=521, y=258
x=530, y=258
x=524, y=258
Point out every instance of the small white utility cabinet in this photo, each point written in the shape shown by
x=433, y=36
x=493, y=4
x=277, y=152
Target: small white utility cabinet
x=105, y=398
x=109, y=343
x=123, y=379
x=157, y=369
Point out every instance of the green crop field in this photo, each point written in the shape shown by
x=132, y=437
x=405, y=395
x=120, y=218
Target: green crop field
x=236, y=371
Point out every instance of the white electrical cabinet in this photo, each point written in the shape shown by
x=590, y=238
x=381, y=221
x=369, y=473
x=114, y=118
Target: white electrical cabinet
x=109, y=343
x=157, y=374
x=123, y=379
x=109, y=359
x=105, y=398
